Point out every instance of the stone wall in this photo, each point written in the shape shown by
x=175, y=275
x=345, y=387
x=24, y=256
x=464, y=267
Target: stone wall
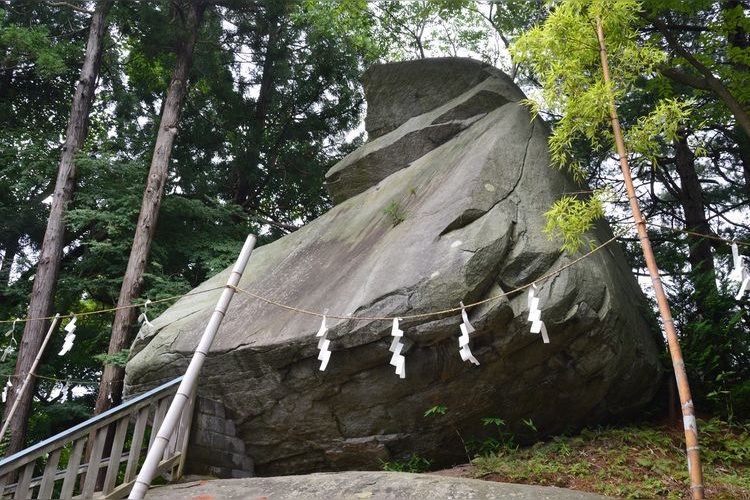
x=214, y=448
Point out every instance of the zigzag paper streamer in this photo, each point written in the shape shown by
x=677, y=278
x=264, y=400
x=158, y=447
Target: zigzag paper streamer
x=8, y=385
x=535, y=315
x=398, y=360
x=143, y=318
x=323, y=345
x=69, y=337
x=10, y=348
x=740, y=272
x=65, y=388
x=463, y=340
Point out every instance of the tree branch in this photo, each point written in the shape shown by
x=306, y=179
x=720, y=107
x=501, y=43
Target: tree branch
x=684, y=78
x=70, y=6
x=709, y=81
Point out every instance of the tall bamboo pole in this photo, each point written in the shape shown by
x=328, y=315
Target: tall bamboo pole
x=683, y=387
x=190, y=379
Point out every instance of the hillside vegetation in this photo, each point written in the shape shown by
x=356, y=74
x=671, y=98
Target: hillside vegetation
x=638, y=461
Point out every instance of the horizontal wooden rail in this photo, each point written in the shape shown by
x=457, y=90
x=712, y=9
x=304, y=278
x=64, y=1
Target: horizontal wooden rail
x=127, y=422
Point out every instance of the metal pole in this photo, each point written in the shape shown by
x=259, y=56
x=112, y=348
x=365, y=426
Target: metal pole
x=683, y=387
x=174, y=413
x=29, y=375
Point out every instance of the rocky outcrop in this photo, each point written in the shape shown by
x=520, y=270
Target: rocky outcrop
x=414, y=108
x=444, y=204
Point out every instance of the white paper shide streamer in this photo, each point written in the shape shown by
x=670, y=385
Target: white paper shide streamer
x=398, y=360
x=323, y=345
x=463, y=340
x=143, y=318
x=65, y=389
x=535, y=314
x=740, y=273
x=69, y=337
x=11, y=347
x=8, y=385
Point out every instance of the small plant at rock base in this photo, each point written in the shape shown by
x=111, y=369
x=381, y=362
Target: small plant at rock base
x=493, y=421
x=530, y=424
x=415, y=464
x=395, y=213
x=436, y=410
x=440, y=410
x=501, y=444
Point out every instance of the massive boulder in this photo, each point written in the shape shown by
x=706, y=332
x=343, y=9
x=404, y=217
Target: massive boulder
x=443, y=205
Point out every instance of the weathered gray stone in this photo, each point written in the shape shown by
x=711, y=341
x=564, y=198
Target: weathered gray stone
x=214, y=445
x=472, y=224
x=399, y=91
x=427, y=102
x=364, y=485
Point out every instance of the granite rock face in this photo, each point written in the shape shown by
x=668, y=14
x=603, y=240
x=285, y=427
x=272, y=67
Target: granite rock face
x=467, y=171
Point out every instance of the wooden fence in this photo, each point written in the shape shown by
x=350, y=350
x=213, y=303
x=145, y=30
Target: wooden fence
x=53, y=468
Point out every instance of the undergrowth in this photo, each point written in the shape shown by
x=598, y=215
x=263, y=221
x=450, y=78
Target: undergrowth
x=632, y=462
x=414, y=464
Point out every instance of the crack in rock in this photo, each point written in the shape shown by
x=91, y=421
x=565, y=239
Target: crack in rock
x=475, y=182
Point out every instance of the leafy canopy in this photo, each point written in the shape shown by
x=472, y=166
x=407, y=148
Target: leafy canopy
x=564, y=54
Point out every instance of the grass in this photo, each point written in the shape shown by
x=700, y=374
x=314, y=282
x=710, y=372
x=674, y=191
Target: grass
x=644, y=461
x=395, y=212
x=414, y=464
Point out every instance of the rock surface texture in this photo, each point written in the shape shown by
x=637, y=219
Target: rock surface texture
x=443, y=204
x=362, y=485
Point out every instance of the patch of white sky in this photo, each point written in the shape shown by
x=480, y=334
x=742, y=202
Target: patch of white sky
x=494, y=52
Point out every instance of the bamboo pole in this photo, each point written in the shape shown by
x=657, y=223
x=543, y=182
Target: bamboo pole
x=174, y=413
x=683, y=387
x=29, y=375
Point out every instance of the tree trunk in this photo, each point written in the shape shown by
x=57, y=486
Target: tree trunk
x=48, y=267
x=738, y=40
x=743, y=146
x=6, y=263
x=274, y=51
x=691, y=199
x=123, y=326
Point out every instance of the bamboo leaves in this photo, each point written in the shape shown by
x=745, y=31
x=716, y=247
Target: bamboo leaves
x=570, y=217
x=565, y=55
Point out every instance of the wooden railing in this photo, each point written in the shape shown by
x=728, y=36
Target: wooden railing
x=53, y=468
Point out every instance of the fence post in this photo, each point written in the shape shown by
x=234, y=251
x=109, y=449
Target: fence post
x=186, y=424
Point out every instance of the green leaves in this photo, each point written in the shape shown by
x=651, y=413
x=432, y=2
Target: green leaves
x=21, y=45
x=119, y=358
x=395, y=212
x=436, y=410
x=570, y=218
x=565, y=55
x=663, y=123
x=498, y=422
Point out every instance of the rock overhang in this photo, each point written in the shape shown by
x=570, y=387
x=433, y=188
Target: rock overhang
x=473, y=207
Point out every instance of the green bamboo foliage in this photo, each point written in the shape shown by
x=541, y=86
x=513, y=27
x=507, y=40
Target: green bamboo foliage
x=563, y=54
